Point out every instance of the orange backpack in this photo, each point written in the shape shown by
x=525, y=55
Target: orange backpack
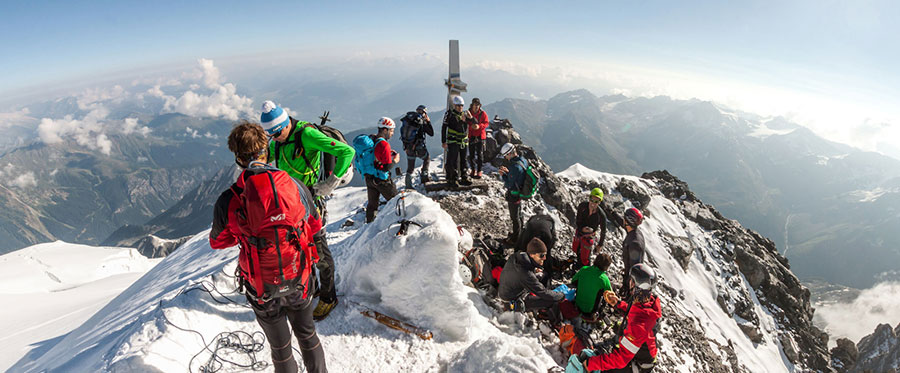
x=569, y=341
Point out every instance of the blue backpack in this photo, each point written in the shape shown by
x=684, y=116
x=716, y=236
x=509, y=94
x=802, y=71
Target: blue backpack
x=365, y=156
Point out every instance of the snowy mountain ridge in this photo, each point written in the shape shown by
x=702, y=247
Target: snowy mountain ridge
x=730, y=303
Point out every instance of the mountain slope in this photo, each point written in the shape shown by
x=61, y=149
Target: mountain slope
x=813, y=197
x=397, y=275
x=55, y=287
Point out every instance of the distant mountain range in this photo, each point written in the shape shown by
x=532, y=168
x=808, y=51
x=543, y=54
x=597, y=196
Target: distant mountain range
x=832, y=209
x=829, y=207
x=64, y=191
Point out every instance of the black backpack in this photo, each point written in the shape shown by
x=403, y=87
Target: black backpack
x=409, y=130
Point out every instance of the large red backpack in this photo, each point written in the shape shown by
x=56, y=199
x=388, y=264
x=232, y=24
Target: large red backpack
x=277, y=249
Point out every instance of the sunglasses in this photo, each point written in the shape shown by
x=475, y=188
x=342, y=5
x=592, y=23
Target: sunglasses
x=277, y=134
x=595, y=200
x=543, y=256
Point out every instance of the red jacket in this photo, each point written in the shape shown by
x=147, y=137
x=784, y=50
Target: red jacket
x=639, y=331
x=478, y=124
x=383, y=156
x=225, y=231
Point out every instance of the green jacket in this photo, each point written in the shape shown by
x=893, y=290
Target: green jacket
x=314, y=142
x=591, y=282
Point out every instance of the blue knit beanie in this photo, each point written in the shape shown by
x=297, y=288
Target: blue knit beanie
x=273, y=118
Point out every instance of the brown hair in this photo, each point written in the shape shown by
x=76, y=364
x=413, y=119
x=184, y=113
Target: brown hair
x=602, y=261
x=247, y=140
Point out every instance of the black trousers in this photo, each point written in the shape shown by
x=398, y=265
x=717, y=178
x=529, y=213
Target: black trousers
x=417, y=150
x=276, y=318
x=411, y=164
x=374, y=189
x=515, y=214
x=533, y=303
x=455, y=164
x=327, y=293
x=476, y=153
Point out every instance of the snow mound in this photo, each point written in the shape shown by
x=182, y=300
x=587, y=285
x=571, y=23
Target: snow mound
x=415, y=275
x=163, y=321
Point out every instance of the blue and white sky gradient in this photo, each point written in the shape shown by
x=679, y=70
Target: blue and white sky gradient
x=830, y=65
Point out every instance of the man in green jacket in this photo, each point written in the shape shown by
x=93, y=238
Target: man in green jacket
x=590, y=282
x=297, y=148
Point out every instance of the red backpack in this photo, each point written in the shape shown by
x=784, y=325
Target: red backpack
x=276, y=238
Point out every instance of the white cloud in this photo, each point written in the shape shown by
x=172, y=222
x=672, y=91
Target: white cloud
x=209, y=135
x=88, y=131
x=25, y=180
x=91, y=97
x=131, y=126
x=859, y=318
x=219, y=100
x=54, y=172
x=192, y=132
x=19, y=117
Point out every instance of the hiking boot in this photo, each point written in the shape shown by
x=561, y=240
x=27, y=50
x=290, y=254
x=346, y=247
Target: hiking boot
x=409, y=184
x=511, y=239
x=465, y=182
x=323, y=309
x=477, y=175
x=425, y=178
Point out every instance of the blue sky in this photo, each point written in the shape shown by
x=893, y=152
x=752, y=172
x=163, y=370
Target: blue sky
x=826, y=50
x=47, y=41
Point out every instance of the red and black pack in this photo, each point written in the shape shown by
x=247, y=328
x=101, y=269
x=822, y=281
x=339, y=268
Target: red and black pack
x=277, y=249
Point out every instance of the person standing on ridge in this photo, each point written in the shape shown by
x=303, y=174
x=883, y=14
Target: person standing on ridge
x=519, y=284
x=279, y=293
x=633, y=249
x=454, y=139
x=478, y=123
x=296, y=147
x=540, y=226
x=416, y=125
x=374, y=159
x=588, y=219
x=513, y=175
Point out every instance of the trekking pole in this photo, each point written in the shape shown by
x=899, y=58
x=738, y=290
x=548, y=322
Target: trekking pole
x=324, y=118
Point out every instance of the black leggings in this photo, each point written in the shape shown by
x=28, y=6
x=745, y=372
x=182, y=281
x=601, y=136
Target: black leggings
x=327, y=293
x=476, y=153
x=274, y=316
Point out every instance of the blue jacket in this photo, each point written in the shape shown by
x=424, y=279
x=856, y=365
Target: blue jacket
x=515, y=178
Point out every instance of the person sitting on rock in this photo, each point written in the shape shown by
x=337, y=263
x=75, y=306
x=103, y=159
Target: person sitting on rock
x=519, y=285
x=636, y=343
x=540, y=226
x=590, y=283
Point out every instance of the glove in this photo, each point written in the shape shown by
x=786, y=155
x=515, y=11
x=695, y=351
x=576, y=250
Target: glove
x=325, y=187
x=610, y=298
x=562, y=288
x=570, y=295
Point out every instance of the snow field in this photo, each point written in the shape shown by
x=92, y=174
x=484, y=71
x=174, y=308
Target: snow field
x=50, y=289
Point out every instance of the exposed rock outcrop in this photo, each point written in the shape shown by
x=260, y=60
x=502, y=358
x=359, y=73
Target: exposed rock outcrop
x=879, y=351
